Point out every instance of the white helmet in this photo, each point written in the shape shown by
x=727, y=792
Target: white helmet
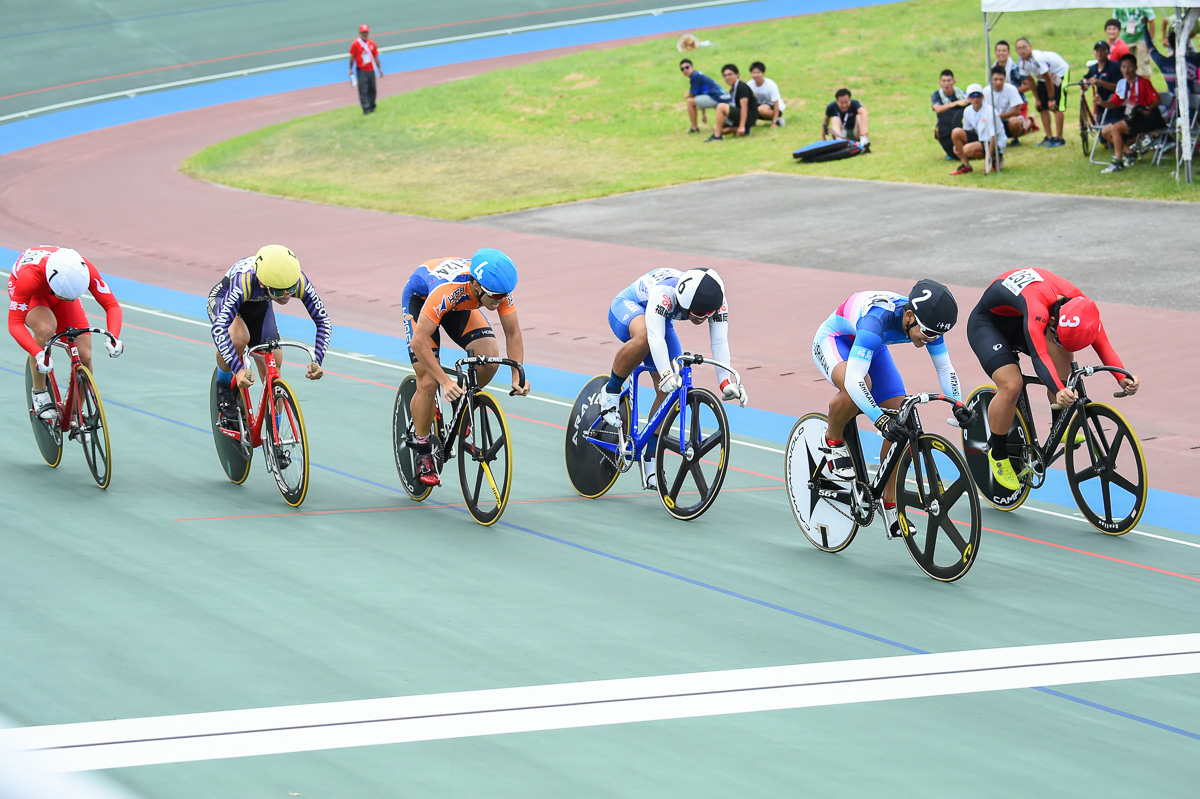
x=67, y=274
x=700, y=291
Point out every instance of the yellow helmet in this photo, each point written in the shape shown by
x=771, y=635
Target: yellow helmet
x=277, y=267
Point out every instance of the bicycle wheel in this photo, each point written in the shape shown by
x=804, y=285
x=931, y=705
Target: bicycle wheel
x=975, y=448
x=692, y=453
x=1110, y=485
x=91, y=428
x=406, y=456
x=47, y=434
x=233, y=447
x=822, y=507
x=287, y=445
x=485, y=459
x=591, y=470
x=938, y=487
x=1086, y=120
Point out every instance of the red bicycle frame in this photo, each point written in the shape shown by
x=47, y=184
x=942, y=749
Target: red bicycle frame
x=70, y=410
x=265, y=354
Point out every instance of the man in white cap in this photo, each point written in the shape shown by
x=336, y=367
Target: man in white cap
x=364, y=60
x=978, y=132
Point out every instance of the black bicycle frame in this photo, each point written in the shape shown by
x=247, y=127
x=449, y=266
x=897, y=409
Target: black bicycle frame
x=470, y=384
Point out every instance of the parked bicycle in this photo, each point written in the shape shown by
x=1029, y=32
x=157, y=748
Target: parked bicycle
x=692, y=449
x=476, y=423
x=80, y=415
x=277, y=426
x=933, y=482
x=1106, y=471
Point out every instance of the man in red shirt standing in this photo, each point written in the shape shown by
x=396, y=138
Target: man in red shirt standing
x=364, y=58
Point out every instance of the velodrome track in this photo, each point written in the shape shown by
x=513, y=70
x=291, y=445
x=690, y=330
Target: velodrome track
x=177, y=593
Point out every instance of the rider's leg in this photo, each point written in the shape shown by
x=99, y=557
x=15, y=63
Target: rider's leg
x=421, y=406
x=635, y=349
x=1003, y=406
x=674, y=350
x=42, y=325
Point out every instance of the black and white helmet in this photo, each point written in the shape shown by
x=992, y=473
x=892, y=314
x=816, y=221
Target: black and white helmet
x=933, y=305
x=700, y=291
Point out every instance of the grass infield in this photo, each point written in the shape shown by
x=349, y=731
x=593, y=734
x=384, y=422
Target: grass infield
x=600, y=123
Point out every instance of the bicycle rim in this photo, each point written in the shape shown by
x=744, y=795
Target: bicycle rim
x=934, y=491
x=485, y=459
x=1085, y=124
x=47, y=435
x=233, y=454
x=975, y=450
x=406, y=456
x=93, y=427
x=288, y=445
x=1107, y=473
x=822, y=508
x=697, y=466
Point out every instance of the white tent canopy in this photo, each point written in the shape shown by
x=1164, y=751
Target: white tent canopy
x=1186, y=18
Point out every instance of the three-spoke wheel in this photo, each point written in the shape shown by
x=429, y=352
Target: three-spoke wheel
x=484, y=459
x=934, y=488
x=90, y=428
x=1107, y=473
x=692, y=455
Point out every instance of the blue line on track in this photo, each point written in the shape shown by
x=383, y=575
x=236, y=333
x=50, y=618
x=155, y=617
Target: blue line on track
x=698, y=583
x=139, y=19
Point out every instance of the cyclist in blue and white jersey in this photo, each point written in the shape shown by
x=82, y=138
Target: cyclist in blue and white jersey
x=241, y=309
x=643, y=316
x=851, y=350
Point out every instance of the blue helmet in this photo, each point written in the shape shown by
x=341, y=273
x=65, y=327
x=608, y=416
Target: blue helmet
x=494, y=270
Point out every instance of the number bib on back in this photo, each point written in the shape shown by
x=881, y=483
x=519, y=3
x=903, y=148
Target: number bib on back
x=1018, y=281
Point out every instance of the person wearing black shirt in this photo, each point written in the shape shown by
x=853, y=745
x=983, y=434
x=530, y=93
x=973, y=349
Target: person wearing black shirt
x=948, y=103
x=845, y=118
x=740, y=113
x=1104, y=75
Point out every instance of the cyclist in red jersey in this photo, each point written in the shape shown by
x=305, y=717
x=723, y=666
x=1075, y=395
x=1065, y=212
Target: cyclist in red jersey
x=1036, y=312
x=43, y=297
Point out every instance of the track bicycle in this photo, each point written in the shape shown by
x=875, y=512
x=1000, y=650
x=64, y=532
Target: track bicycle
x=277, y=426
x=1087, y=118
x=80, y=415
x=692, y=449
x=933, y=481
x=477, y=424
x=1106, y=472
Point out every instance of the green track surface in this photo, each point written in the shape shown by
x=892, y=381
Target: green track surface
x=124, y=603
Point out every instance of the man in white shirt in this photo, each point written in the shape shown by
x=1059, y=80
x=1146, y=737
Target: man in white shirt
x=770, y=101
x=1005, y=100
x=977, y=136
x=1048, y=71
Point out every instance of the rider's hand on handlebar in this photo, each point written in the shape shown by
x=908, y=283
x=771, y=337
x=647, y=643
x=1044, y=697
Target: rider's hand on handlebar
x=1129, y=386
x=114, y=349
x=1064, y=398
x=735, y=391
x=451, y=389
x=669, y=382
x=964, y=416
x=245, y=377
x=519, y=389
x=890, y=428
x=315, y=372
x=43, y=362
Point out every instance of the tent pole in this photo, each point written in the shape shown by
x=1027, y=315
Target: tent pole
x=997, y=130
x=1184, y=25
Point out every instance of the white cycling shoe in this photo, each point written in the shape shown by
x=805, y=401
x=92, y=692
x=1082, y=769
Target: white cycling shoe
x=608, y=407
x=838, y=464
x=43, y=405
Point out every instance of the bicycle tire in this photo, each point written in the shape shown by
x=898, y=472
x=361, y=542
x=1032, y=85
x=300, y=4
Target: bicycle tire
x=823, y=525
x=47, y=435
x=406, y=456
x=233, y=453
x=486, y=442
x=687, y=458
x=92, y=429
x=941, y=497
x=1100, y=444
x=291, y=478
x=975, y=451
x=1086, y=120
x=592, y=472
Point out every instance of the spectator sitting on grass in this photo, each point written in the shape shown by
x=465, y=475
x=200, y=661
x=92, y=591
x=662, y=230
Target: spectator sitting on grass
x=1140, y=99
x=845, y=118
x=1166, y=63
x=770, y=101
x=976, y=133
x=1116, y=47
x=1104, y=75
x=1006, y=101
x=948, y=103
x=1048, y=71
x=740, y=112
x=703, y=93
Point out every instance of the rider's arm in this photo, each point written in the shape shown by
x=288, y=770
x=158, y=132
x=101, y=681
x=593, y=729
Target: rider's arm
x=316, y=310
x=18, y=309
x=514, y=345
x=945, y=370
x=1035, y=342
x=220, y=327
x=861, y=353
x=1108, y=355
x=104, y=296
x=658, y=308
x=718, y=340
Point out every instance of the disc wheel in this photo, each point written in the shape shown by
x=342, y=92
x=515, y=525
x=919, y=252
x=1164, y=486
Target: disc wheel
x=406, y=456
x=91, y=428
x=591, y=469
x=821, y=507
x=937, y=490
x=975, y=448
x=287, y=445
x=47, y=434
x=233, y=447
x=485, y=459
x=692, y=455
x=1107, y=474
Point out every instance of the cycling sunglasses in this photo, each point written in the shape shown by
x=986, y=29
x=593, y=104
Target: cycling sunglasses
x=282, y=292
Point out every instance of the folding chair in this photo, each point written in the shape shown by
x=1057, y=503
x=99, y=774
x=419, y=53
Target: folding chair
x=1164, y=138
x=1097, y=139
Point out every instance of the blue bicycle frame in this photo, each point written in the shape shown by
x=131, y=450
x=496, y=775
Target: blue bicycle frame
x=635, y=445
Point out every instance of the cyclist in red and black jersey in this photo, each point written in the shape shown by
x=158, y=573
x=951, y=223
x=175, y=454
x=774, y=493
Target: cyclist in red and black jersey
x=1036, y=312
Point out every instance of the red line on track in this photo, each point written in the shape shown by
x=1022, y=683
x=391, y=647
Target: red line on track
x=312, y=44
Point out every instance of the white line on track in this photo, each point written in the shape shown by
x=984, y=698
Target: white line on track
x=651, y=12
x=302, y=728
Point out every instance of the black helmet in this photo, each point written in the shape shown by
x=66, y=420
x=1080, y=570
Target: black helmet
x=933, y=305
